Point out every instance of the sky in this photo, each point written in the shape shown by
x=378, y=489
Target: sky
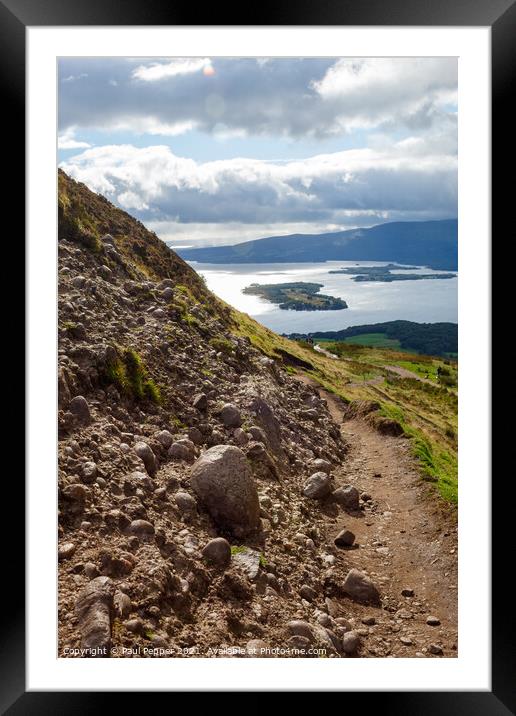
x=209, y=151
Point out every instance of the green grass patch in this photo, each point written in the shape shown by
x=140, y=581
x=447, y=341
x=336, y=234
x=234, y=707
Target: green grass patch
x=376, y=340
x=221, y=345
x=130, y=376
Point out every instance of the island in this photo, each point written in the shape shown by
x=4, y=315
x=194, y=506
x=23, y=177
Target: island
x=384, y=273
x=298, y=296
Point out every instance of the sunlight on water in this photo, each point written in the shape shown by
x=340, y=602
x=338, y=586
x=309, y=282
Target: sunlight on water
x=422, y=301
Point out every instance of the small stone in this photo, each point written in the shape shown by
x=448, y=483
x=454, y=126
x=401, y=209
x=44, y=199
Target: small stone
x=230, y=415
x=179, y=451
x=308, y=593
x=195, y=435
x=90, y=570
x=345, y=538
x=299, y=643
x=365, y=497
x=145, y=453
x=185, y=502
x=318, y=486
x=433, y=621
x=200, y=402
x=347, y=497
x=406, y=641
x=369, y=621
x=320, y=465
x=217, y=552
x=80, y=408
x=66, y=551
x=122, y=604
x=435, y=649
x=407, y=592
x=360, y=587
x=89, y=472
x=165, y=438
x=141, y=528
x=240, y=437
x=350, y=642
x=298, y=627
x=135, y=626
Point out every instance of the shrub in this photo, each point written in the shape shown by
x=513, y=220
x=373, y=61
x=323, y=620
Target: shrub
x=130, y=376
x=221, y=345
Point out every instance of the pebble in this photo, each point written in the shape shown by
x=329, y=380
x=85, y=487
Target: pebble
x=435, y=649
x=217, y=552
x=350, y=642
x=407, y=592
x=345, y=538
x=66, y=550
x=433, y=621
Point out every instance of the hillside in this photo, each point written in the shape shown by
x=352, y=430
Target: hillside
x=224, y=488
x=424, y=243
x=437, y=339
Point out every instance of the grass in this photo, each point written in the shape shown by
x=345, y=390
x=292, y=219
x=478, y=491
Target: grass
x=377, y=340
x=129, y=374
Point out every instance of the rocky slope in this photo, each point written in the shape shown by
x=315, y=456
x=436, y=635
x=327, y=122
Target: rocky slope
x=196, y=475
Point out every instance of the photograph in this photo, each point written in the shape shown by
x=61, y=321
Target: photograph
x=257, y=360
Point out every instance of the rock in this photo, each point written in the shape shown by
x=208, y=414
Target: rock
x=406, y=641
x=407, y=592
x=298, y=627
x=200, y=401
x=365, y=497
x=93, y=609
x=122, y=604
x=65, y=551
x=89, y=472
x=347, y=497
x=185, y=502
x=167, y=294
x=433, y=621
x=230, y=415
x=345, y=538
x=134, y=625
x=299, y=643
x=141, y=528
x=262, y=464
x=179, y=451
x=369, y=621
x=145, y=453
x=76, y=493
x=80, y=408
x=435, y=649
x=256, y=648
x=350, y=642
x=308, y=593
x=240, y=437
x=165, y=438
x=217, y=552
x=317, y=486
x=195, y=435
x=360, y=588
x=257, y=434
x=320, y=465
x=222, y=480
x=248, y=561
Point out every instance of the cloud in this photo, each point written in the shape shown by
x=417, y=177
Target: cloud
x=163, y=70
x=67, y=140
x=333, y=188
x=289, y=98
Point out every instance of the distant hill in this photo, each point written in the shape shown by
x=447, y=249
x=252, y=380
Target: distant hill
x=424, y=243
x=429, y=338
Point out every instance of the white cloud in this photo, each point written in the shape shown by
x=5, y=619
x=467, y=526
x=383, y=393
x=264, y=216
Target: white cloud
x=163, y=70
x=67, y=141
x=160, y=186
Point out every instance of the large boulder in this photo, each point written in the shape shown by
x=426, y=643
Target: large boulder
x=222, y=480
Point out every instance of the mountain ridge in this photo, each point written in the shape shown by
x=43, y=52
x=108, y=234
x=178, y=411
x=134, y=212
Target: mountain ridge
x=424, y=243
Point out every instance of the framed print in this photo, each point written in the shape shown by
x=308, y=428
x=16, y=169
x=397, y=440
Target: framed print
x=258, y=291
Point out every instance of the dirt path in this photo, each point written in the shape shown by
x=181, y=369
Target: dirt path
x=407, y=540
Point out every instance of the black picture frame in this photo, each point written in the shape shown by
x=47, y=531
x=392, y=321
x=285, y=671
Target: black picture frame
x=500, y=16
